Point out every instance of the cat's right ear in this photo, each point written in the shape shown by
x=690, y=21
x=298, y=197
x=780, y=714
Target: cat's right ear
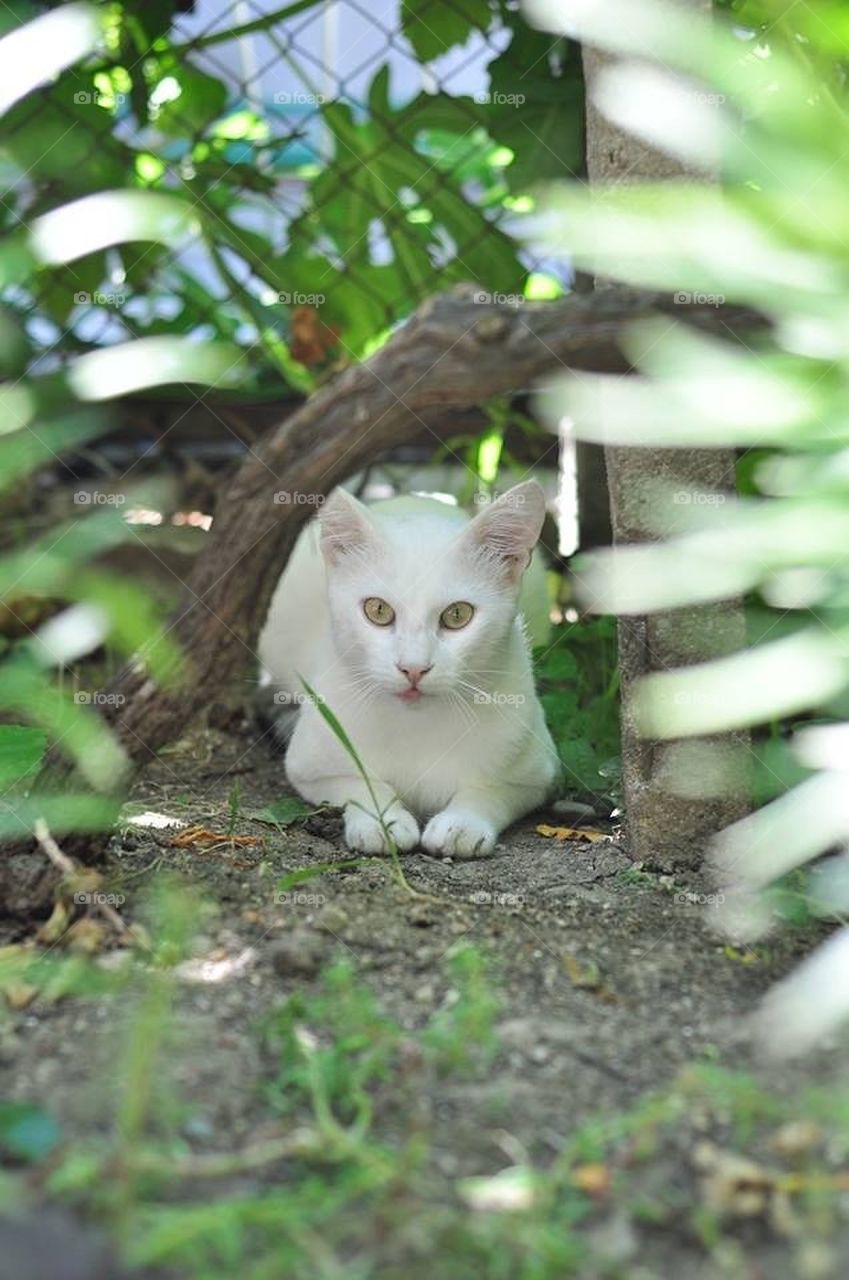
x=346, y=527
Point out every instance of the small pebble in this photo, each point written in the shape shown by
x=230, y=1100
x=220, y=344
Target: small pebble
x=300, y=952
x=421, y=915
x=331, y=919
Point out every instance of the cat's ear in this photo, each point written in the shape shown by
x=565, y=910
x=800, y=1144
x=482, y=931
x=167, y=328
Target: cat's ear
x=509, y=529
x=346, y=527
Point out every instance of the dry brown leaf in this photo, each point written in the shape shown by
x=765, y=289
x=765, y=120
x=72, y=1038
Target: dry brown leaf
x=203, y=837
x=19, y=994
x=53, y=929
x=587, y=834
x=592, y=1178
x=87, y=936
x=310, y=339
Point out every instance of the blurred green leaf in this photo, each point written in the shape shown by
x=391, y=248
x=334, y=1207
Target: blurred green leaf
x=433, y=27
x=26, y=1131
x=21, y=751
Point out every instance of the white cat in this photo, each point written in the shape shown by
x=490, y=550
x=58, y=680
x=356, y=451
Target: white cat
x=405, y=621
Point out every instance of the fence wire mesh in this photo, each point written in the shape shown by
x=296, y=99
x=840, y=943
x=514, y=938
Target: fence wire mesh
x=334, y=164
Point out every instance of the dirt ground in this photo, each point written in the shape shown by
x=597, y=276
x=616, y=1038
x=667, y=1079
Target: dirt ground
x=611, y=983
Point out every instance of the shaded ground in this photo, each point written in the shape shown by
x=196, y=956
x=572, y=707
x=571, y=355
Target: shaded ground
x=611, y=988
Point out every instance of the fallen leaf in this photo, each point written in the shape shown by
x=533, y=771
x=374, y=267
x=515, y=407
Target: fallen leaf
x=741, y=957
x=86, y=936
x=797, y=1138
x=592, y=1178
x=201, y=836
x=587, y=834
x=13, y=959
x=53, y=929
x=19, y=994
x=282, y=812
x=588, y=977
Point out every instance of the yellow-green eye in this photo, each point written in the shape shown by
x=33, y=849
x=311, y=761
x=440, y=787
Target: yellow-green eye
x=378, y=611
x=457, y=615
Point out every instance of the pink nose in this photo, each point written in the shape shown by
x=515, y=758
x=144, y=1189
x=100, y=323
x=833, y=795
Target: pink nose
x=413, y=674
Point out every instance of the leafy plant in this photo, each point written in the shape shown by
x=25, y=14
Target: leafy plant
x=769, y=103
x=53, y=410
x=579, y=685
x=412, y=196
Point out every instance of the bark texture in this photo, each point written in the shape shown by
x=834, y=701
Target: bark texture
x=664, y=828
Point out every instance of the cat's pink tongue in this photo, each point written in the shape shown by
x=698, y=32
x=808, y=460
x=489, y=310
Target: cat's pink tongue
x=410, y=695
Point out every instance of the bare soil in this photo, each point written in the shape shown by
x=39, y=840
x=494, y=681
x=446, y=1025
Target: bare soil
x=612, y=984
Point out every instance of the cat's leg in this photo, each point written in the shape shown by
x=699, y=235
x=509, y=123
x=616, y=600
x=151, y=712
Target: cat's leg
x=365, y=832
x=470, y=825
x=320, y=771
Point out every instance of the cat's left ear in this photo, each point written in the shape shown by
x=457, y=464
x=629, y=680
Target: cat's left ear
x=346, y=527
x=509, y=529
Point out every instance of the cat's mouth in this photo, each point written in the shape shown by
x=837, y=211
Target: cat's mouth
x=409, y=695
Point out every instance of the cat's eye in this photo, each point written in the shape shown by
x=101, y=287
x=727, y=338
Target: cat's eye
x=457, y=615
x=378, y=611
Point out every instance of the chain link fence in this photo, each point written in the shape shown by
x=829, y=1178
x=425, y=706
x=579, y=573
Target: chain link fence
x=334, y=164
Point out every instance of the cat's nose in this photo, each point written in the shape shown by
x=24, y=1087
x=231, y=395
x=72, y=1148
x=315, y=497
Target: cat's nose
x=413, y=674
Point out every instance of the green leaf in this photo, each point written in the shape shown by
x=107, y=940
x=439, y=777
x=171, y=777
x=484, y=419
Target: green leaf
x=305, y=874
x=536, y=107
x=285, y=811
x=199, y=100
x=21, y=751
x=27, y=1132
x=433, y=26
x=62, y=134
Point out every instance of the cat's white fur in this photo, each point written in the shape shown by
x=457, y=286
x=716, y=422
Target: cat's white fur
x=472, y=753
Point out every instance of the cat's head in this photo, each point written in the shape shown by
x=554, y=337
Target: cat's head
x=421, y=601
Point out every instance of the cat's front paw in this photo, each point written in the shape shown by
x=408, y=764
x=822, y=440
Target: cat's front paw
x=460, y=834
x=364, y=834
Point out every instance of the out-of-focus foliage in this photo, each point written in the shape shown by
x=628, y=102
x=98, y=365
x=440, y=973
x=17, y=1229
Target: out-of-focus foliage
x=578, y=682
x=54, y=409
x=759, y=106
x=318, y=221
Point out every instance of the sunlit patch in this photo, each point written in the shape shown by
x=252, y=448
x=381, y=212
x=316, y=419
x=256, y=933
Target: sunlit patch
x=193, y=519
x=153, y=820
x=220, y=970
x=447, y=498
x=504, y=1192
x=143, y=515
